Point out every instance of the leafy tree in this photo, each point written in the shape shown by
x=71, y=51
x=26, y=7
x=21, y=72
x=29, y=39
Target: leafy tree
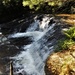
x=33, y=4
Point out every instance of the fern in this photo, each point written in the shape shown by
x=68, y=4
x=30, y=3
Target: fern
x=66, y=42
x=70, y=33
x=64, y=45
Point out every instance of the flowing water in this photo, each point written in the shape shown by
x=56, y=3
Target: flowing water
x=43, y=34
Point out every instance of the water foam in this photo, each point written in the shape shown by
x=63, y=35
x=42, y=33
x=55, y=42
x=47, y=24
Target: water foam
x=31, y=60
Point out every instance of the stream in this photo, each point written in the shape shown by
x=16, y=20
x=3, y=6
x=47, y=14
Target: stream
x=27, y=43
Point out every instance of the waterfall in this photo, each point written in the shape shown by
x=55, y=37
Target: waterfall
x=31, y=60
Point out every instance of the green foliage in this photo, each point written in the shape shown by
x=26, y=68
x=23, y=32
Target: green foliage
x=70, y=33
x=55, y=2
x=33, y=3
x=22, y=7
x=39, y=3
x=65, y=43
x=44, y=6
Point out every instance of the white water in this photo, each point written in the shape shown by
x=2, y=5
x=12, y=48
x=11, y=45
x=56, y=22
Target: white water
x=31, y=61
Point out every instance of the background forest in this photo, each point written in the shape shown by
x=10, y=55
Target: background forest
x=10, y=9
x=38, y=36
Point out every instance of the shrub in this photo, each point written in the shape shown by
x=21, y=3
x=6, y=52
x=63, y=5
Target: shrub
x=70, y=33
x=65, y=43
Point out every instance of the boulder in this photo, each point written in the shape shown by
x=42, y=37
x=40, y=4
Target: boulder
x=61, y=63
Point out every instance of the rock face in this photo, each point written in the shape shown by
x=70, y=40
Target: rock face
x=61, y=63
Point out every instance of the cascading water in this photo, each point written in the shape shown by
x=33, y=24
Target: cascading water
x=31, y=60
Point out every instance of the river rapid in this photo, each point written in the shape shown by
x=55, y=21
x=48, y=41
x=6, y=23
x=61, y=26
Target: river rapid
x=28, y=43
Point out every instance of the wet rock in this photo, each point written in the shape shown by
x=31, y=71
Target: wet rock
x=52, y=20
x=8, y=50
x=4, y=40
x=21, y=41
x=16, y=25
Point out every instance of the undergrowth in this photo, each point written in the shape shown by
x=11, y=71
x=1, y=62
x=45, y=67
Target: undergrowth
x=69, y=40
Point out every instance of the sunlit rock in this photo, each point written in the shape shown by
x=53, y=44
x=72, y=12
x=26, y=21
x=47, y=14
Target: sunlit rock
x=61, y=63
